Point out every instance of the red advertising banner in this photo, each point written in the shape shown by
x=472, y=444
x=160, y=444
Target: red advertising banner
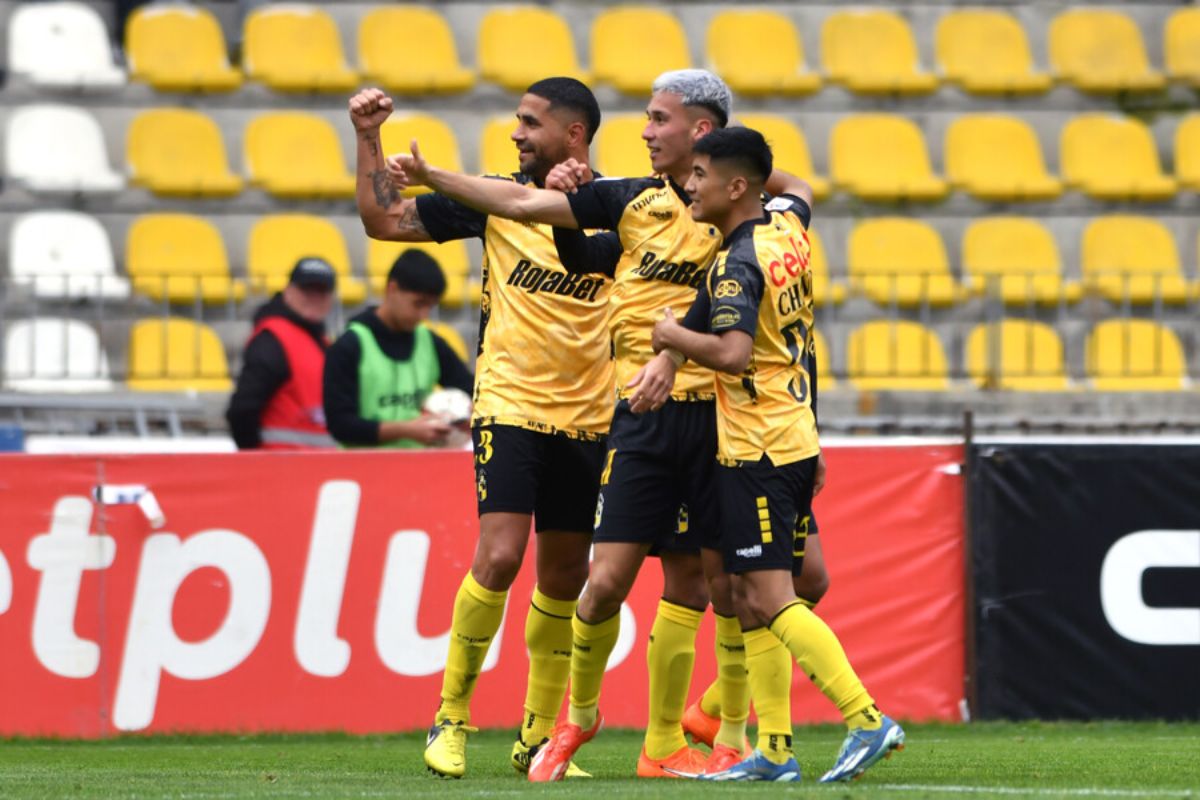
x=313, y=591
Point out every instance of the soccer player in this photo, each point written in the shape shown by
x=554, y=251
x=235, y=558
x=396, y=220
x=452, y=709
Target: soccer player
x=543, y=402
x=755, y=311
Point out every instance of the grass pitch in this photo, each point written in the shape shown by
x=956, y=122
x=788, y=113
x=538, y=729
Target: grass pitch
x=983, y=760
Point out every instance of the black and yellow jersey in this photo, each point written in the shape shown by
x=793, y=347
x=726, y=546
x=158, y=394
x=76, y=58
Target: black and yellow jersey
x=760, y=283
x=664, y=257
x=544, y=358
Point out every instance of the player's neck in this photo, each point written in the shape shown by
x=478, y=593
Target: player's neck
x=739, y=213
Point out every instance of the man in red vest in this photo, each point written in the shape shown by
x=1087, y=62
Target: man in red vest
x=277, y=403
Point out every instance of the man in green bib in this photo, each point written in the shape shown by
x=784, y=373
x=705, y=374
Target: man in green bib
x=380, y=371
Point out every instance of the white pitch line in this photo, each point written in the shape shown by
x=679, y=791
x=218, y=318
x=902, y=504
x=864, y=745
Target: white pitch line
x=897, y=787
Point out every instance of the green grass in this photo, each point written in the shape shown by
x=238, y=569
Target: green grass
x=1135, y=760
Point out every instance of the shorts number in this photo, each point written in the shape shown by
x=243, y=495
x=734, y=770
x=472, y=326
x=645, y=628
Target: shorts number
x=485, y=447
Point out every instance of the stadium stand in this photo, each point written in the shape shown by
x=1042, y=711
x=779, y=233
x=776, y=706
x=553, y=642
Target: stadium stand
x=451, y=256
x=1181, y=46
x=296, y=48
x=758, y=53
x=1016, y=259
x=632, y=45
x=180, y=257
x=1187, y=152
x=1101, y=50
x=51, y=354
x=1135, y=355
x=985, y=51
x=504, y=54
x=899, y=355
x=893, y=260
x=438, y=143
x=1018, y=355
x=1087, y=144
x=873, y=52
x=620, y=150
x=825, y=377
x=57, y=148
x=1131, y=259
x=997, y=157
x=882, y=157
x=278, y=241
x=296, y=154
x=179, y=48
x=63, y=254
x=452, y=337
x=171, y=355
x=62, y=45
x=825, y=289
x=177, y=151
x=410, y=50
x=497, y=152
x=789, y=147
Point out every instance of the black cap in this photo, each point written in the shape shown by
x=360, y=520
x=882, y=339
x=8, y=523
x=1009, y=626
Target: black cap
x=313, y=272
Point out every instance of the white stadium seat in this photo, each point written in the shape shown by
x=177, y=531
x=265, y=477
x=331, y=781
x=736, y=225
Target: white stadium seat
x=62, y=45
x=53, y=148
x=63, y=254
x=49, y=354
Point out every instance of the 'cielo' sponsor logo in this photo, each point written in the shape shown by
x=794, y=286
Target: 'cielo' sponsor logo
x=1121, y=596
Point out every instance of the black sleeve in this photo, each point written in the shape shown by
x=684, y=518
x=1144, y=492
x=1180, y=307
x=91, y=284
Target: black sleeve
x=812, y=386
x=789, y=203
x=698, y=315
x=579, y=252
x=264, y=370
x=601, y=203
x=453, y=372
x=447, y=219
x=736, y=294
x=341, y=394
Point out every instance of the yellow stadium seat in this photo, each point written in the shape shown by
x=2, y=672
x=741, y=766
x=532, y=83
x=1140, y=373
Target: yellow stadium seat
x=987, y=52
x=1016, y=354
x=997, y=157
x=451, y=257
x=176, y=355
x=179, y=48
x=825, y=290
x=451, y=337
x=277, y=242
x=789, y=148
x=873, y=52
x=1133, y=258
x=1086, y=149
x=1181, y=46
x=438, y=144
x=882, y=157
x=295, y=48
x=902, y=261
x=825, y=379
x=1134, y=355
x=181, y=257
x=620, y=149
x=508, y=55
x=759, y=53
x=898, y=355
x=293, y=154
x=410, y=50
x=497, y=152
x=1019, y=259
x=175, y=151
x=1187, y=152
x=633, y=45
x=1097, y=50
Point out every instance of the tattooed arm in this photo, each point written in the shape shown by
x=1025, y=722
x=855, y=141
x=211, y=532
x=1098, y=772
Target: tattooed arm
x=385, y=214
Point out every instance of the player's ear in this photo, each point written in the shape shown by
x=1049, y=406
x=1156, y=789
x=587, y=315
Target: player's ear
x=576, y=133
x=738, y=187
x=702, y=128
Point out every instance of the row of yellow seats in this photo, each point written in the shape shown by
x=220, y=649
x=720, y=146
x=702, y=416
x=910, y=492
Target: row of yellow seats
x=182, y=258
x=411, y=49
x=903, y=261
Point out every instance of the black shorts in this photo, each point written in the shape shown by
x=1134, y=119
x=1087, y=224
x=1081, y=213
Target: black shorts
x=762, y=506
x=657, y=485
x=806, y=527
x=552, y=476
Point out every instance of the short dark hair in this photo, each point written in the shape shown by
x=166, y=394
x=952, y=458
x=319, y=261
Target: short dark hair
x=417, y=271
x=573, y=95
x=744, y=146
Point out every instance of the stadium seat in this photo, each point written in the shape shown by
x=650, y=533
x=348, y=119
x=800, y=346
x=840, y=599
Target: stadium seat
x=902, y=261
x=882, y=157
x=62, y=45
x=825, y=290
x=898, y=355
x=451, y=336
x=1133, y=258
x=620, y=149
x=410, y=50
x=52, y=148
x=759, y=52
x=1017, y=354
x=1101, y=51
x=179, y=48
x=51, y=354
x=997, y=157
x=277, y=242
x=176, y=151
x=1086, y=152
x=176, y=355
x=63, y=254
x=1181, y=46
x=873, y=52
x=180, y=257
x=497, y=152
x=986, y=52
x=295, y=48
x=1134, y=355
x=789, y=148
x=506, y=57
x=438, y=142
x=633, y=45
x=1187, y=152
x=451, y=257
x=825, y=379
x=293, y=154
x=1018, y=259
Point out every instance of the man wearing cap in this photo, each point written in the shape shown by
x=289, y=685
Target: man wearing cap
x=380, y=371
x=277, y=401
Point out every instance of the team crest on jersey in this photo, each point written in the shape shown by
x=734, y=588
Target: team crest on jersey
x=725, y=317
x=728, y=289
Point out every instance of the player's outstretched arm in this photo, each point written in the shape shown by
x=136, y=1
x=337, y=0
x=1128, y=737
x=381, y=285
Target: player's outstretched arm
x=728, y=352
x=385, y=214
x=780, y=182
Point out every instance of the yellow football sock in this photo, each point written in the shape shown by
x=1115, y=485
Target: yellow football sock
x=819, y=653
x=710, y=701
x=548, y=639
x=769, y=669
x=477, y=615
x=669, y=659
x=591, y=647
x=731, y=678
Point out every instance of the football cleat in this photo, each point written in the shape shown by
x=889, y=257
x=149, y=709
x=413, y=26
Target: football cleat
x=446, y=748
x=686, y=762
x=722, y=758
x=757, y=768
x=522, y=755
x=700, y=726
x=553, y=756
x=862, y=749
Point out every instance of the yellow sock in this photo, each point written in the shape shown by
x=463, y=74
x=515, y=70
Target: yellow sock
x=819, y=653
x=731, y=679
x=591, y=647
x=477, y=615
x=769, y=669
x=548, y=639
x=669, y=659
x=710, y=701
